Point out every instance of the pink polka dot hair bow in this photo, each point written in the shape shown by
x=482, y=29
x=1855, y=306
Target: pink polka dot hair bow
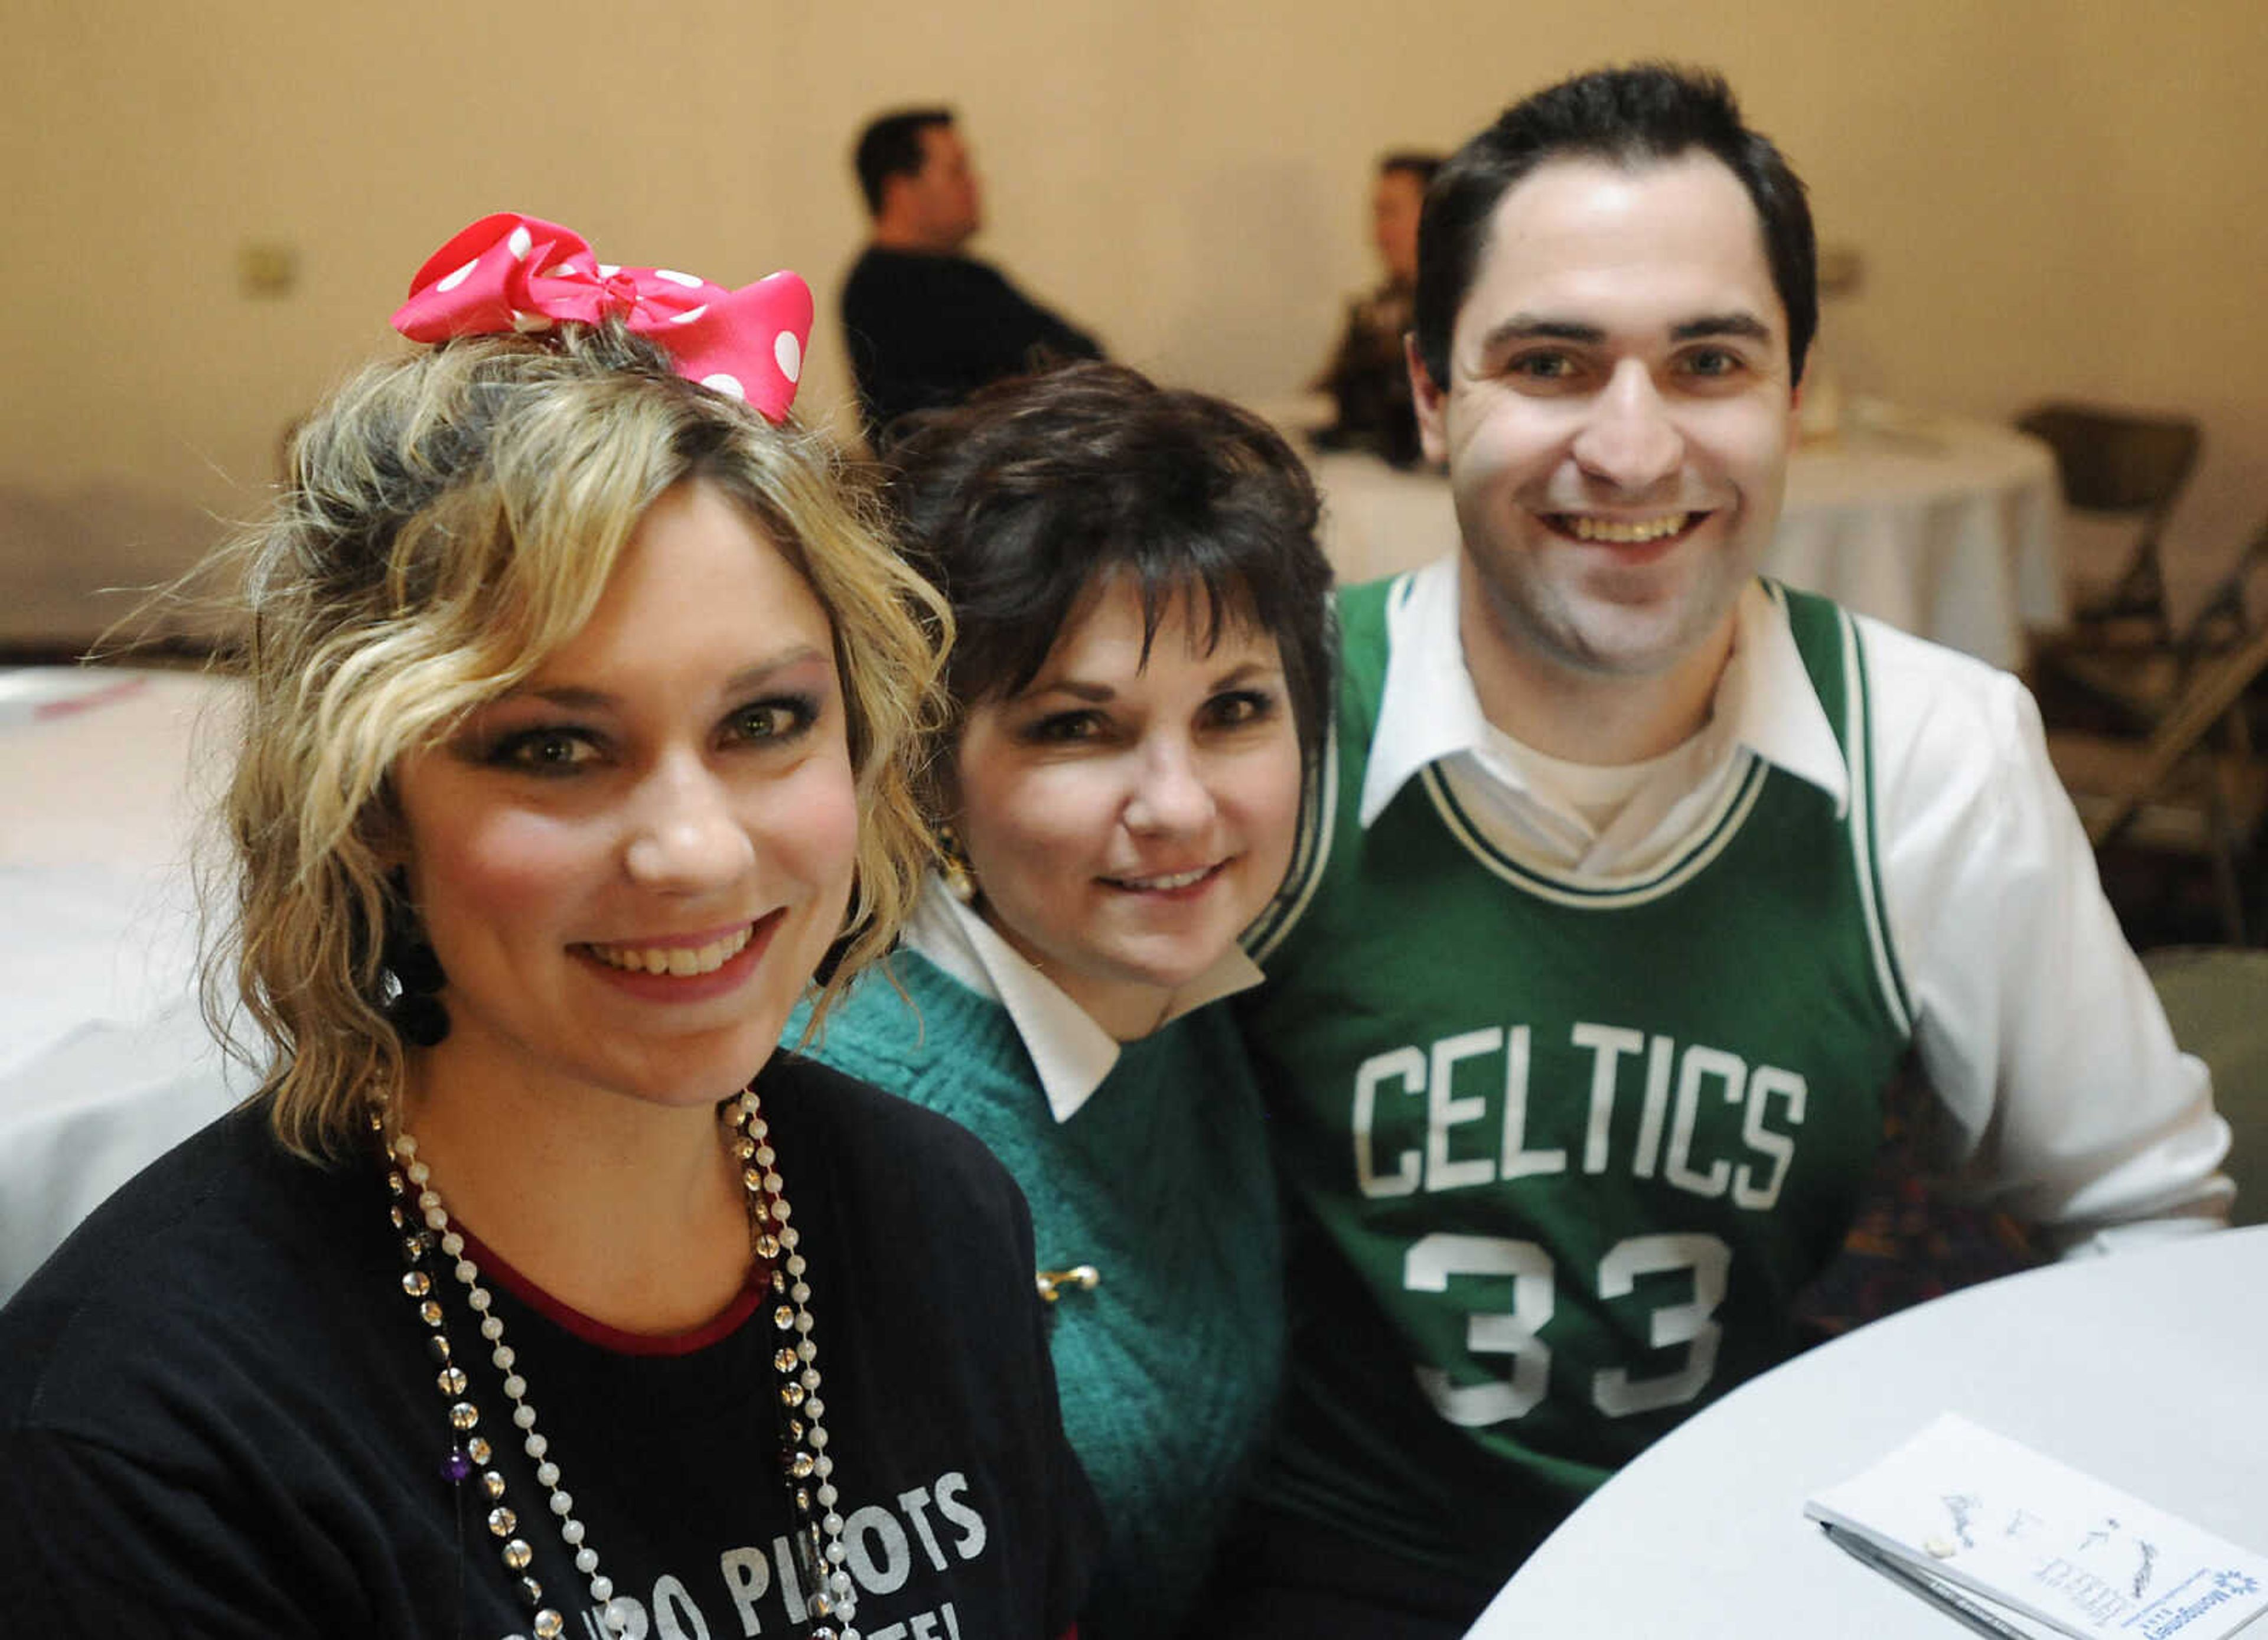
x=513, y=273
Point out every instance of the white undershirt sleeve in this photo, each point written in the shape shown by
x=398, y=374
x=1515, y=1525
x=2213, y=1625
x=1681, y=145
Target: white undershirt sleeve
x=2034, y=1023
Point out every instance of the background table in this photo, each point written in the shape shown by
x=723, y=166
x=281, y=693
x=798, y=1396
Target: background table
x=1944, y=527
x=104, y=1059
x=2144, y=1369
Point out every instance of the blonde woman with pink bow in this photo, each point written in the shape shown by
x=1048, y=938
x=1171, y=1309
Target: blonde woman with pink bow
x=535, y=1293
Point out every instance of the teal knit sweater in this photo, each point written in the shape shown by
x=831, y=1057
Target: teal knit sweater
x=1168, y=1368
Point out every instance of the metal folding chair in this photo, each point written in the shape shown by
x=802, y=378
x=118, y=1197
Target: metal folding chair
x=2122, y=465
x=2195, y=785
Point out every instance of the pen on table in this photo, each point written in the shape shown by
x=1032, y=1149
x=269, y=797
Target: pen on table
x=1945, y=1598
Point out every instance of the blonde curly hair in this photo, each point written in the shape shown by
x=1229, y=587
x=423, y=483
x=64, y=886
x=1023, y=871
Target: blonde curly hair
x=451, y=518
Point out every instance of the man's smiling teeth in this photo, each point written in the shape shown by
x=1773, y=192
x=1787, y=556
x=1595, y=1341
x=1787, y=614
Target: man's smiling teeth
x=1624, y=532
x=1177, y=879
x=682, y=961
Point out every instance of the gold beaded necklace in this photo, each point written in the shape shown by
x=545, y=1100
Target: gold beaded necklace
x=806, y=1467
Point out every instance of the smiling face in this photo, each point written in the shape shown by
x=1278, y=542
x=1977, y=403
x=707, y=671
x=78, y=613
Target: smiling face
x=1617, y=423
x=629, y=865
x=1124, y=821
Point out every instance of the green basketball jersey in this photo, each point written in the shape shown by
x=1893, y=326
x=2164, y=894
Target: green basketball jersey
x=1560, y=1152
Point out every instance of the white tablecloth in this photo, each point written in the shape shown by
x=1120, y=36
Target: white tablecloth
x=104, y=1059
x=1946, y=528
x=2143, y=1369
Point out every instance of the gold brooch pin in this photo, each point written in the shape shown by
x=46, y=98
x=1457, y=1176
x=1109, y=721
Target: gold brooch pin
x=1086, y=1278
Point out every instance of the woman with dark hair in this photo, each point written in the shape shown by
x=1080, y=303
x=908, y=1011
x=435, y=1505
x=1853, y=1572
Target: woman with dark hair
x=580, y=725
x=1140, y=680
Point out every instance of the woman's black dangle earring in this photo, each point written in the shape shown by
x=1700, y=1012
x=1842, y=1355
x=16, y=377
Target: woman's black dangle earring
x=413, y=977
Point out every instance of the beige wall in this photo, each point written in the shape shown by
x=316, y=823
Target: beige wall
x=2052, y=197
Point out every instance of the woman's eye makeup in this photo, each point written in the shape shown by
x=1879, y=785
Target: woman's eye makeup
x=567, y=748
x=1064, y=727
x=1233, y=708
x=775, y=718
x=546, y=749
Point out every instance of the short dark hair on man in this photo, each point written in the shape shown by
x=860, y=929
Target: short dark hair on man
x=891, y=146
x=1629, y=116
x=1023, y=503
x=1412, y=162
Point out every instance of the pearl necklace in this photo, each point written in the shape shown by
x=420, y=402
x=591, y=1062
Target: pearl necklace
x=818, y=1533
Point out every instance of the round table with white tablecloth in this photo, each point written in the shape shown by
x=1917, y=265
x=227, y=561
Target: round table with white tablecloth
x=2140, y=1368
x=105, y=1060
x=1945, y=528
x=1942, y=526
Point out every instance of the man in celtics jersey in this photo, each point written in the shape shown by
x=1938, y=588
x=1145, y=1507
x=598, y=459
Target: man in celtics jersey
x=1635, y=879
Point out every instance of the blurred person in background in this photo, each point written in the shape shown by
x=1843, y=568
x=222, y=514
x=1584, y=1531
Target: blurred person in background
x=1368, y=377
x=927, y=324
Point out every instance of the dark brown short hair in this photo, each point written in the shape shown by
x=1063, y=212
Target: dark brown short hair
x=1643, y=114
x=1412, y=162
x=891, y=146
x=1020, y=502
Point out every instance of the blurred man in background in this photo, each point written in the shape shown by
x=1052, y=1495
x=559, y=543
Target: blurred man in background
x=1368, y=377
x=926, y=325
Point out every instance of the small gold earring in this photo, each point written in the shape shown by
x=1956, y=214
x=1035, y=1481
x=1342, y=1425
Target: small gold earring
x=953, y=865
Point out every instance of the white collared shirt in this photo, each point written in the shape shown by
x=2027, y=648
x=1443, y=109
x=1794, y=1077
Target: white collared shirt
x=1533, y=804
x=2034, y=1023
x=1071, y=1053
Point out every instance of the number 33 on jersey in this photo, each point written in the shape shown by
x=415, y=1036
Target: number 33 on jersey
x=1580, y=1141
